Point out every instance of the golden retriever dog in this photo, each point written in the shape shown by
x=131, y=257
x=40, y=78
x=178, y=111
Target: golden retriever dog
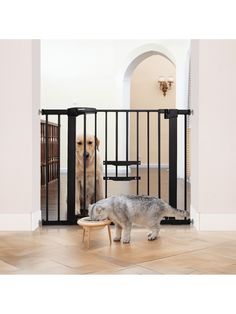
x=88, y=157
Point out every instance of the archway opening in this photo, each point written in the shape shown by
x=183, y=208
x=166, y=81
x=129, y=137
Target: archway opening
x=142, y=91
x=146, y=94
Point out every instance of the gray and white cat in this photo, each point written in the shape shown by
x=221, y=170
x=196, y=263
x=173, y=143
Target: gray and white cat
x=124, y=210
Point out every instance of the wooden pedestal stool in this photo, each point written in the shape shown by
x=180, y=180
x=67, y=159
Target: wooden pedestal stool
x=91, y=225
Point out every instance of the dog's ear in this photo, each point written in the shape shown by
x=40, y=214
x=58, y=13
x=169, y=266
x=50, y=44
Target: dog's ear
x=97, y=143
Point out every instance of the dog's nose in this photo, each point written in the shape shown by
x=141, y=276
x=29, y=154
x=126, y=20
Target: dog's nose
x=86, y=155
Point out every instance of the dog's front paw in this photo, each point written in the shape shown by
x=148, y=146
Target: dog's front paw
x=187, y=214
x=77, y=211
x=116, y=239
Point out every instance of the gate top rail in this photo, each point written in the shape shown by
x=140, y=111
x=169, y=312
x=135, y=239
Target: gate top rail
x=76, y=111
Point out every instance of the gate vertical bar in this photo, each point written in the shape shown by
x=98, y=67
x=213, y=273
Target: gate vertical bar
x=95, y=157
x=159, y=154
x=58, y=166
x=137, y=134
x=173, y=161
x=106, y=154
x=148, y=153
x=127, y=142
x=116, y=142
x=185, y=162
x=71, y=168
x=84, y=159
x=47, y=169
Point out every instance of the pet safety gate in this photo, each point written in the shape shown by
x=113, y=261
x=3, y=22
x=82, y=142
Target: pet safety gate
x=121, y=131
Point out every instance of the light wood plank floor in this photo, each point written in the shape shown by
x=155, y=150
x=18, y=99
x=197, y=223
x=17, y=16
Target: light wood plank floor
x=59, y=250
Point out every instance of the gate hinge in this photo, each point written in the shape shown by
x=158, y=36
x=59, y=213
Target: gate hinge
x=170, y=113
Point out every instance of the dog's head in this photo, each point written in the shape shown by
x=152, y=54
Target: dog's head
x=86, y=152
x=97, y=212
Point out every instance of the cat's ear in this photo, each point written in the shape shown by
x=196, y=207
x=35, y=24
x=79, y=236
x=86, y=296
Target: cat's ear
x=99, y=210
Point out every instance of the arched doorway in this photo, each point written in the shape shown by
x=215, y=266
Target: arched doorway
x=146, y=94
x=141, y=91
x=134, y=59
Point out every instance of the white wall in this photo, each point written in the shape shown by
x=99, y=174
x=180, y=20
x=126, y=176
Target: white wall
x=19, y=134
x=213, y=124
x=94, y=73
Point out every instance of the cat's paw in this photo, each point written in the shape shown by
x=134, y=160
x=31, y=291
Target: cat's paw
x=116, y=239
x=152, y=237
x=126, y=241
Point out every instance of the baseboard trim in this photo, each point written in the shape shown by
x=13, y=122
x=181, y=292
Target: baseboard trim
x=20, y=221
x=213, y=221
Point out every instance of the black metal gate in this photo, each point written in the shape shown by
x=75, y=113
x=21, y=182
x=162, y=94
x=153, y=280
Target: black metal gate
x=52, y=211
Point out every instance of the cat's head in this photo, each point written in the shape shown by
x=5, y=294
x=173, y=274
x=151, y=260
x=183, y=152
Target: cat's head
x=97, y=212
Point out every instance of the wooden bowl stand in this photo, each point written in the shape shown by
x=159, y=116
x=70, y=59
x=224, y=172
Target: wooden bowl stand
x=89, y=226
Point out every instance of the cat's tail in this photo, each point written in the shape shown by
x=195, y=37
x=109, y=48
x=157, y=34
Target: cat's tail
x=178, y=213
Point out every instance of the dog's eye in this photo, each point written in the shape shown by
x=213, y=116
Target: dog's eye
x=79, y=143
x=90, y=142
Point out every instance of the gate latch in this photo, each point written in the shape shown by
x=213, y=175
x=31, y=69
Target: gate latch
x=170, y=113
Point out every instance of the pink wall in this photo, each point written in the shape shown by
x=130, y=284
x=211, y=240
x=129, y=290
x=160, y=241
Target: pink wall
x=19, y=133
x=213, y=134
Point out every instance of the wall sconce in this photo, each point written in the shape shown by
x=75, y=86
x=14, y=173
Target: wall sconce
x=165, y=85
